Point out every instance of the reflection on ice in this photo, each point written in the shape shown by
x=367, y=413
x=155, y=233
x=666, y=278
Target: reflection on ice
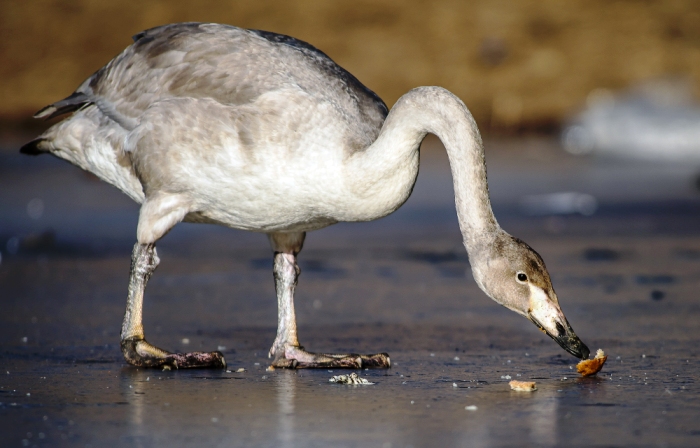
x=286, y=383
x=543, y=422
x=133, y=391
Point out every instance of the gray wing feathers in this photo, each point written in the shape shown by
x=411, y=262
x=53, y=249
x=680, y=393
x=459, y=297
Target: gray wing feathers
x=231, y=65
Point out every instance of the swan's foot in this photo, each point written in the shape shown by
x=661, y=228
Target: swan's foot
x=286, y=351
x=140, y=353
x=296, y=357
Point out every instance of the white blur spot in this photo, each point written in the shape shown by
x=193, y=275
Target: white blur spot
x=655, y=120
x=564, y=203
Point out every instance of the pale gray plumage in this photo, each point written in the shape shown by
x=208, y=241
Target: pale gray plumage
x=263, y=132
x=230, y=65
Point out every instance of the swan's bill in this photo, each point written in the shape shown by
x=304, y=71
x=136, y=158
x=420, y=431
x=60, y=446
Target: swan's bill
x=546, y=314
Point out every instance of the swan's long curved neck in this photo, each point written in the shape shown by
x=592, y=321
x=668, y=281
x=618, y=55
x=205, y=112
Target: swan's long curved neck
x=437, y=111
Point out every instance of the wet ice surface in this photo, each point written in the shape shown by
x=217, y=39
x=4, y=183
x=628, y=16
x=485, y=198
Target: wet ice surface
x=627, y=278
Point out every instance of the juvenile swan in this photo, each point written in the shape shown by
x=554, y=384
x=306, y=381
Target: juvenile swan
x=263, y=132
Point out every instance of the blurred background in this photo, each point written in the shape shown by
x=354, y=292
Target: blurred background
x=592, y=133
x=518, y=65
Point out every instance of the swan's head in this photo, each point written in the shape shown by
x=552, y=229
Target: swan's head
x=514, y=275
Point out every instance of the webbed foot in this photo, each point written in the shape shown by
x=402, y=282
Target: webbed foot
x=140, y=353
x=295, y=357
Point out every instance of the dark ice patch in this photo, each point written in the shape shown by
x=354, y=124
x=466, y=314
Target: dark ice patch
x=657, y=295
x=600, y=254
x=659, y=279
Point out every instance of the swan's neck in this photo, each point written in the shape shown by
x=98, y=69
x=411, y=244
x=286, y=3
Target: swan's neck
x=437, y=111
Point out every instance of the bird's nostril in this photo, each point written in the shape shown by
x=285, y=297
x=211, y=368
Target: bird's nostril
x=560, y=330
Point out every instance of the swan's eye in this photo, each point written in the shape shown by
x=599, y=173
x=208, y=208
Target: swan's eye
x=522, y=278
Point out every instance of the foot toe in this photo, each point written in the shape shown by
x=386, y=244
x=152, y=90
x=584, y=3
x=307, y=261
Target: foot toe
x=380, y=360
x=285, y=363
x=323, y=362
x=295, y=357
x=196, y=360
x=140, y=353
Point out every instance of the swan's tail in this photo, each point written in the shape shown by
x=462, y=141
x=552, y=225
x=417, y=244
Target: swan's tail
x=35, y=147
x=69, y=104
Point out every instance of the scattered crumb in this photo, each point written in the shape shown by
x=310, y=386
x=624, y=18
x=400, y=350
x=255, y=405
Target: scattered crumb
x=589, y=367
x=471, y=408
x=349, y=379
x=166, y=368
x=523, y=386
x=270, y=368
x=240, y=370
x=185, y=341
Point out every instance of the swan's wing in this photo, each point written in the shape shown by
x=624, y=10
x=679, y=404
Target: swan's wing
x=230, y=65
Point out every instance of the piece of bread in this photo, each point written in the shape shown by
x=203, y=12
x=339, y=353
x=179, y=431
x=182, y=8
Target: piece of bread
x=589, y=367
x=523, y=386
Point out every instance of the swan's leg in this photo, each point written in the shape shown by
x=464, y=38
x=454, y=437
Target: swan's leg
x=286, y=351
x=154, y=221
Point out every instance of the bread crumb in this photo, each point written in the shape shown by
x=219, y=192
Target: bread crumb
x=523, y=386
x=589, y=367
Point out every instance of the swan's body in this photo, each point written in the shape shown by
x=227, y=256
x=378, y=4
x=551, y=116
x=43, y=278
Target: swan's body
x=240, y=141
x=262, y=132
